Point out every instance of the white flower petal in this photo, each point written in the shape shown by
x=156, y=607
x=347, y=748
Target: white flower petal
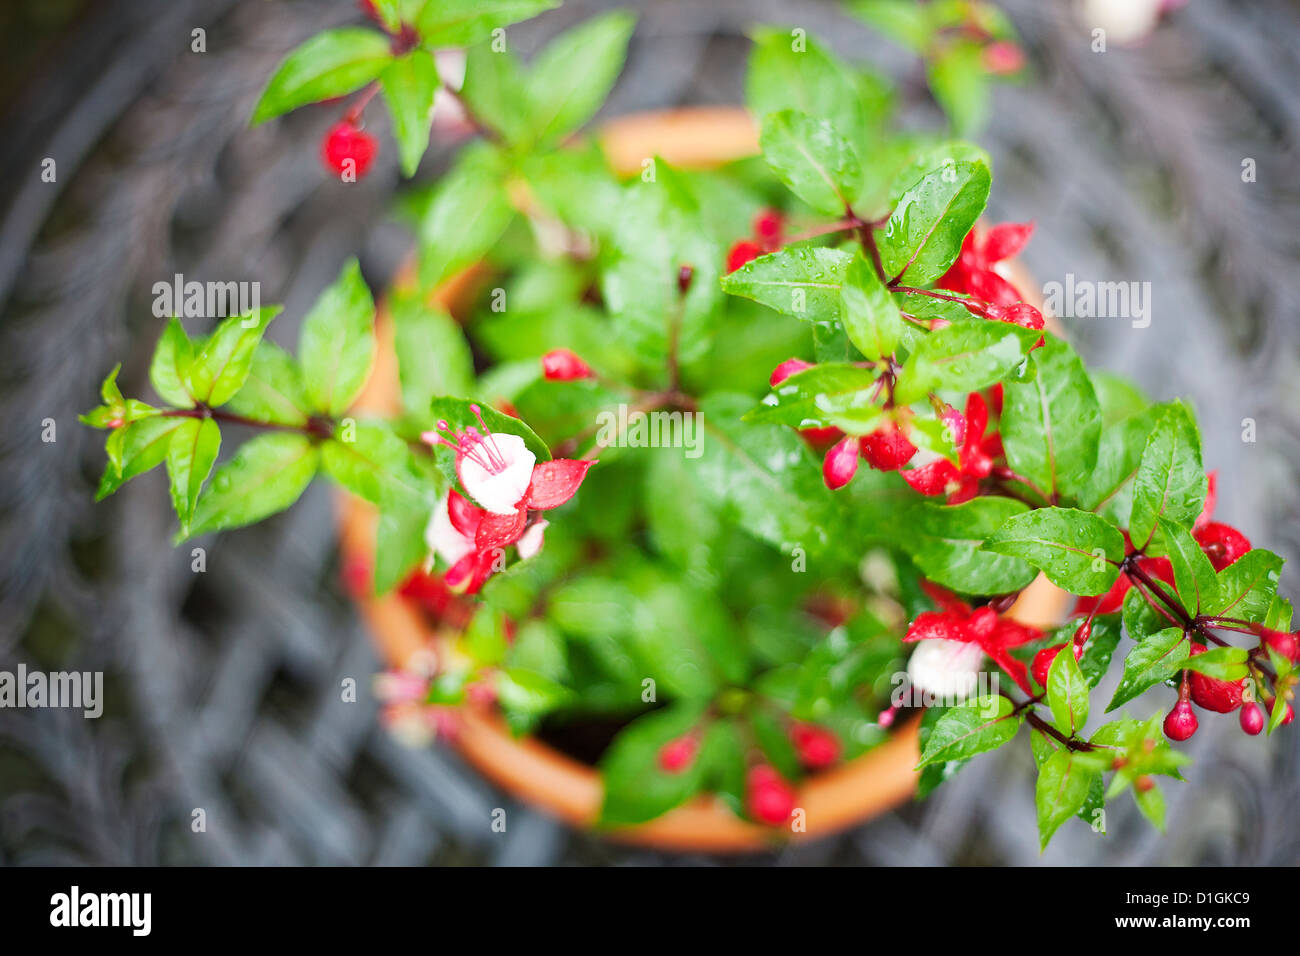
x=498, y=491
x=531, y=541
x=947, y=669
x=442, y=537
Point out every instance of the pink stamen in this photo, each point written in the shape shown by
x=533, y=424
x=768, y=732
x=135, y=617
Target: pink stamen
x=477, y=446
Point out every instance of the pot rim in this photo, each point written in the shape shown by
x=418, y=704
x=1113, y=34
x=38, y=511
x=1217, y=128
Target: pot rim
x=832, y=800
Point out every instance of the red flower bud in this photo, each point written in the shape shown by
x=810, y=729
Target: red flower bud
x=1252, y=719
x=1220, y=696
x=676, y=755
x=1222, y=543
x=742, y=252
x=1003, y=58
x=346, y=141
x=817, y=746
x=1181, y=723
x=768, y=226
x=841, y=463
x=1281, y=642
x=1042, y=662
x=887, y=448
x=791, y=366
x=768, y=798
x=561, y=365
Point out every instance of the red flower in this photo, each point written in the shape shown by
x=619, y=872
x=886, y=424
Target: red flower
x=975, y=457
x=974, y=274
x=982, y=626
x=742, y=252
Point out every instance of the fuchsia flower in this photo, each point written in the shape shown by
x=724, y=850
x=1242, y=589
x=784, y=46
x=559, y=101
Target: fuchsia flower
x=975, y=271
x=499, y=473
x=952, y=642
x=976, y=452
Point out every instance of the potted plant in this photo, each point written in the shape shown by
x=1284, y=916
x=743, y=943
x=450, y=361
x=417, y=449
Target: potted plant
x=707, y=497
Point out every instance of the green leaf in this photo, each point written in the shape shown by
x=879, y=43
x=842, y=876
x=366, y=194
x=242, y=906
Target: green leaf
x=924, y=234
x=273, y=392
x=945, y=544
x=265, y=476
x=447, y=23
x=144, y=445
x=467, y=215
x=812, y=159
x=1067, y=694
x=433, y=357
x=960, y=84
x=1155, y=658
x=529, y=693
x=809, y=79
x=1109, y=487
x=190, y=456
x=399, y=542
x=337, y=342
x=1194, y=576
x=637, y=789
x=1077, y=550
x=169, y=372
x=1247, y=587
x=1064, y=783
x=330, y=64
x=965, y=356
x=1051, y=425
x=1102, y=641
x=1171, y=479
x=807, y=399
x=571, y=78
x=762, y=477
x=409, y=84
x=1221, y=663
x=494, y=88
x=870, y=314
x=375, y=465
x=1152, y=804
x=774, y=740
x=802, y=281
x=985, y=723
x=1278, y=713
x=222, y=365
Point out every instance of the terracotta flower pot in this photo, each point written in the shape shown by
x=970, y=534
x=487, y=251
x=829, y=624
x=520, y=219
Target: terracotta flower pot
x=535, y=772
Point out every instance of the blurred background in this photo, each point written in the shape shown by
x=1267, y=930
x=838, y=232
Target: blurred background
x=223, y=687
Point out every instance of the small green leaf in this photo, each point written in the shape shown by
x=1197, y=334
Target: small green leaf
x=1247, y=587
x=812, y=159
x=143, y=445
x=266, y=475
x=924, y=234
x=965, y=356
x=409, y=84
x=807, y=399
x=169, y=372
x=529, y=693
x=870, y=314
x=191, y=453
x=467, y=215
x=572, y=76
x=1067, y=694
x=1156, y=658
x=960, y=84
x=337, y=342
x=985, y=723
x=222, y=365
x=447, y=23
x=1064, y=783
x=802, y=281
x=1221, y=663
x=1171, y=479
x=433, y=357
x=1152, y=804
x=945, y=544
x=1051, y=425
x=1194, y=576
x=330, y=64
x=636, y=787
x=274, y=390
x=494, y=88
x=1077, y=550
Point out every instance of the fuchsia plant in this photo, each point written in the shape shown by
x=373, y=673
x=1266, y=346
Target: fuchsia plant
x=837, y=298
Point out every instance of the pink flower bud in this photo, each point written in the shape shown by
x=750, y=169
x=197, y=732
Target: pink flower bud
x=561, y=365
